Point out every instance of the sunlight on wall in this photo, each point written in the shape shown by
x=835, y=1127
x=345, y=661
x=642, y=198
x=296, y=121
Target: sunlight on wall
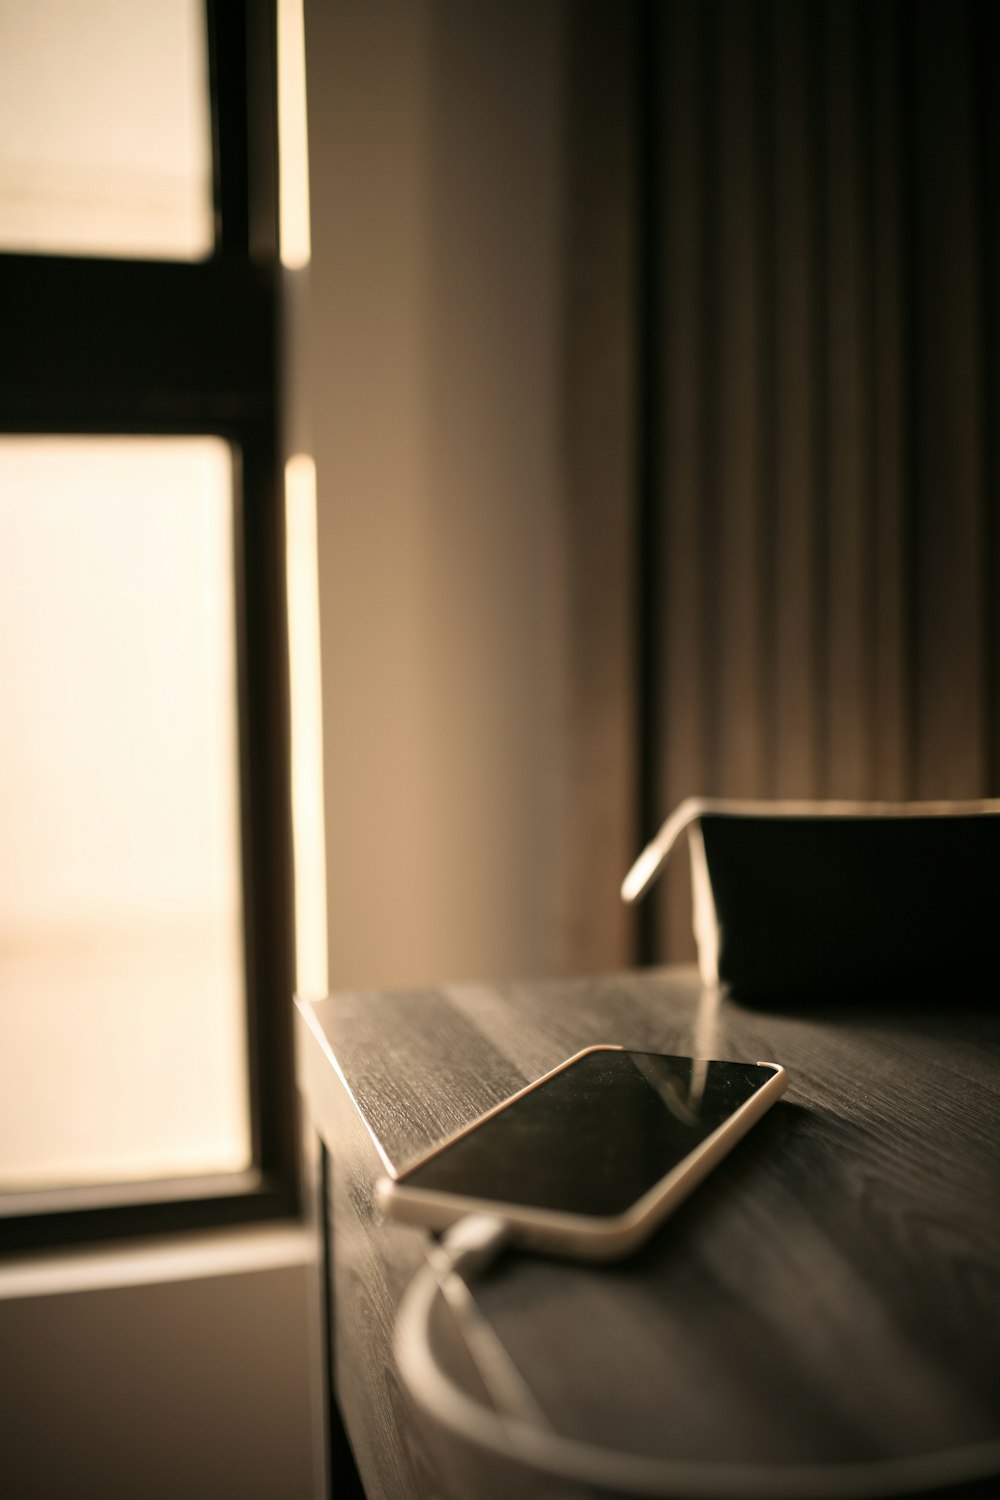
x=122, y=1028
x=308, y=821
x=292, y=136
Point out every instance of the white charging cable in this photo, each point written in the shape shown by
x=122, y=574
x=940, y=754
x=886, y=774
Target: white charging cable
x=518, y=1430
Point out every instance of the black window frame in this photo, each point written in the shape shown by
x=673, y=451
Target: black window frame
x=128, y=347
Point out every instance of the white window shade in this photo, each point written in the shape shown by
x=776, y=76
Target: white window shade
x=122, y=1007
x=105, y=141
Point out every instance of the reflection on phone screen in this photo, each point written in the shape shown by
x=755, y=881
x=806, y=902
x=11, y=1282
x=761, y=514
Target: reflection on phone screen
x=594, y=1137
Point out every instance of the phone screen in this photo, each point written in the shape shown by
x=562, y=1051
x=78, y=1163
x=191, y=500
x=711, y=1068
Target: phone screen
x=594, y=1137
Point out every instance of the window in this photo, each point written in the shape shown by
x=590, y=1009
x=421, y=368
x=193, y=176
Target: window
x=146, y=964
x=105, y=138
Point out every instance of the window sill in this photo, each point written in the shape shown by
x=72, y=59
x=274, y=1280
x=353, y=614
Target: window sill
x=181, y=1257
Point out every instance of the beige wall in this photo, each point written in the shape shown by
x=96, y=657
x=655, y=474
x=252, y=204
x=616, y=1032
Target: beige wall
x=433, y=350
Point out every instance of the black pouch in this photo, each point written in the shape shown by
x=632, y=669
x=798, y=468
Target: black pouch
x=797, y=901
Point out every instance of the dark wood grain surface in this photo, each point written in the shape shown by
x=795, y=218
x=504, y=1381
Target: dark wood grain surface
x=831, y=1293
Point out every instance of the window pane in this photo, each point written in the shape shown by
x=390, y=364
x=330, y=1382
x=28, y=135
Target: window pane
x=122, y=1011
x=104, y=128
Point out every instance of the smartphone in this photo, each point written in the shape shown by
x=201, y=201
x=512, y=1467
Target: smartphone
x=589, y=1159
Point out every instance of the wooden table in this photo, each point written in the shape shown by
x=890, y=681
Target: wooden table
x=831, y=1294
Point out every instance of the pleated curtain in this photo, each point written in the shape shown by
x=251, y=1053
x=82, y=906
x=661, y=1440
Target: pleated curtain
x=799, y=447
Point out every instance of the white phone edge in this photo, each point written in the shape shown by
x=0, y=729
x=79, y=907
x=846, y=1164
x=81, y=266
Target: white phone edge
x=580, y=1236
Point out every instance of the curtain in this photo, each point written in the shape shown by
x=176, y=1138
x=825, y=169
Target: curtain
x=817, y=547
